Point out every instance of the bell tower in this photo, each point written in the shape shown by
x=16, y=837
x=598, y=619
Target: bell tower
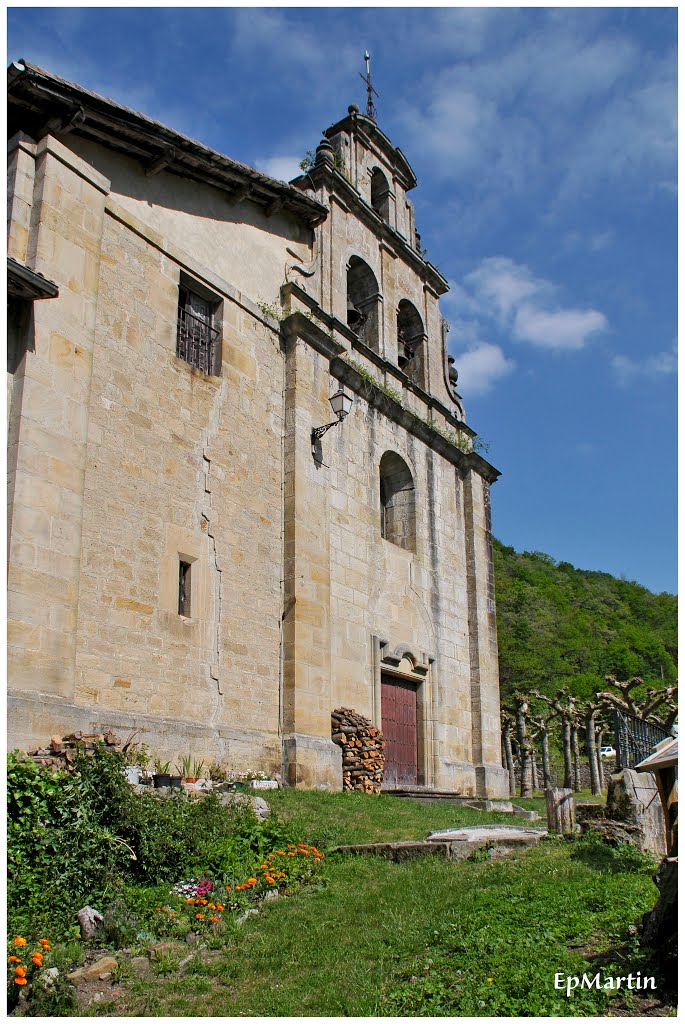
x=370, y=270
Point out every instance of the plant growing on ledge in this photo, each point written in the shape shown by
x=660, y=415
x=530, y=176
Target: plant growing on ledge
x=309, y=160
x=373, y=382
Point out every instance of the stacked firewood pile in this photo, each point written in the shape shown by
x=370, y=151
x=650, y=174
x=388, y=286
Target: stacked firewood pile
x=363, y=750
x=62, y=751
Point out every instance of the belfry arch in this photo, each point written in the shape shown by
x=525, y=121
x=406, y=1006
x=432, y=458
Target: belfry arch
x=411, y=338
x=363, y=302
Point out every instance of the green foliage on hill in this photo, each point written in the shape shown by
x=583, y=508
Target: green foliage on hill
x=562, y=626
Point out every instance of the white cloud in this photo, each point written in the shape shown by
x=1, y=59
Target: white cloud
x=662, y=364
x=480, y=367
x=501, y=281
x=282, y=167
x=569, y=101
x=563, y=329
x=525, y=305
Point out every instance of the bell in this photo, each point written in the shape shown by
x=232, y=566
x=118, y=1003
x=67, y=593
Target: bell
x=354, y=318
x=452, y=371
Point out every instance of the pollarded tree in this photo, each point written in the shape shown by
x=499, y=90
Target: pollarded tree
x=520, y=712
x=641, y=707
x=542, y=730
x=564, y=707
x=507, y=726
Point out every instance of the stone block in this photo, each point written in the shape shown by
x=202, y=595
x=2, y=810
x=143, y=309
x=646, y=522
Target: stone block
x=633, y=797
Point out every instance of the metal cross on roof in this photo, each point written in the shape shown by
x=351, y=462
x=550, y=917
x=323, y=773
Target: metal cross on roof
x=370, y=91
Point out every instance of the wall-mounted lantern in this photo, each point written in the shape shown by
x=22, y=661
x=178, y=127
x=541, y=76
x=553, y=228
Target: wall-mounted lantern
x=341, y=403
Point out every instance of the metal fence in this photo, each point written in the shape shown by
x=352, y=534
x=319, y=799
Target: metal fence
x=634, y=739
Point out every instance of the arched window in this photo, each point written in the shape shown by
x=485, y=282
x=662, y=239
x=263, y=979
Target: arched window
x=380, y=194
x=411, y=356
x=363, y=301
x=398, y=508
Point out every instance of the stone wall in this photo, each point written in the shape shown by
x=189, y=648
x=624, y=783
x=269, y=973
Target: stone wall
x=125, y=461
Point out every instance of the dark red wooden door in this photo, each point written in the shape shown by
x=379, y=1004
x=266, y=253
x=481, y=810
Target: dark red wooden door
x=398, y=714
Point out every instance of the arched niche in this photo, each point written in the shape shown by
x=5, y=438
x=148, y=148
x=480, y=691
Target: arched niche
x=411, y=342
x=398, y=503
x=363, y=302
x=380, y=194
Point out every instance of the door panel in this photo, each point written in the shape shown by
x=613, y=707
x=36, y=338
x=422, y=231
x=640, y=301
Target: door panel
x=399, y=724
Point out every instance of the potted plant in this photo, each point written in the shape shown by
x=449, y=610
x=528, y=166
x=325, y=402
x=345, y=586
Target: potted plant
x=190, y=770
x=186, y=769
x=135, y=756
x=161, y=775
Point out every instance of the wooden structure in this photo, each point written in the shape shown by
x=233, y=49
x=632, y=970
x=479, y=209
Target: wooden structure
x=663, y=763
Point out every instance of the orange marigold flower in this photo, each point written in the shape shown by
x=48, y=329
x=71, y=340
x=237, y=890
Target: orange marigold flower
x=291, y=854
x=158, y=908
x=19, y=941
x=281, y=853
x=252, y=881
x=214, y=919
x=200, y=917
x=14, y=960
x=20, y=981
x=20, y=971
x=219, y=906
x=38, y=963
x=43, y=942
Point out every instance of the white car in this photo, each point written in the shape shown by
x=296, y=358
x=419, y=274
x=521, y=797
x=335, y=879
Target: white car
x=607, y=752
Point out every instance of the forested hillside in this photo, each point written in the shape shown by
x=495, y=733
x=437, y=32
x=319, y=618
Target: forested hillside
x=561, y=626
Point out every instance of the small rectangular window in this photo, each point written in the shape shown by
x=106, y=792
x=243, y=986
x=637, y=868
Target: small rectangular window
x=184, y=589
x=198, y=339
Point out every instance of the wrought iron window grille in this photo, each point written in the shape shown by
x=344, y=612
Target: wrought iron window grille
x=196, y=341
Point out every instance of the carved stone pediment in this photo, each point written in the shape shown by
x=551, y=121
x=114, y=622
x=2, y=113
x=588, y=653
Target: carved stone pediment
x=393, y=655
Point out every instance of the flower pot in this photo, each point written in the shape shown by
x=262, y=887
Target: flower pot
x=175, y=781
x=191, y=778
x=161, y=779
x=145, y=780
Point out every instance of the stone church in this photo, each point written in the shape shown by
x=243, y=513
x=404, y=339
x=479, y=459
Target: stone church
x=191, y=555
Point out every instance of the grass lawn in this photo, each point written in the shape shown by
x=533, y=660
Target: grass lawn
x=421, y=938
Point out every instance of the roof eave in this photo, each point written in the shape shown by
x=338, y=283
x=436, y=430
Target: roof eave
x=93, y=116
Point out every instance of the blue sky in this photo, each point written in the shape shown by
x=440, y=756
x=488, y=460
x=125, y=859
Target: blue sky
x=544, y=142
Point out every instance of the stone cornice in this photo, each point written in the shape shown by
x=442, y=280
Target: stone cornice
x=319, y=329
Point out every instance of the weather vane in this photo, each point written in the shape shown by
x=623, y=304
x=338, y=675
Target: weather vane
x=370, y=91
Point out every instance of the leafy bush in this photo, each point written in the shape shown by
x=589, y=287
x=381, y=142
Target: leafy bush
x=75, y=836
x=61, y=845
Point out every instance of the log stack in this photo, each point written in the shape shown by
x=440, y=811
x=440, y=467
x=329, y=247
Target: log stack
x=62, y=750
x=363, y=750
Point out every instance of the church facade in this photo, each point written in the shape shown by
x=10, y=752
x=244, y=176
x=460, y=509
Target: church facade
x=189, y=556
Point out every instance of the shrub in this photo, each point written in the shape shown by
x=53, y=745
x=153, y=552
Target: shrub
x=61, y=845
